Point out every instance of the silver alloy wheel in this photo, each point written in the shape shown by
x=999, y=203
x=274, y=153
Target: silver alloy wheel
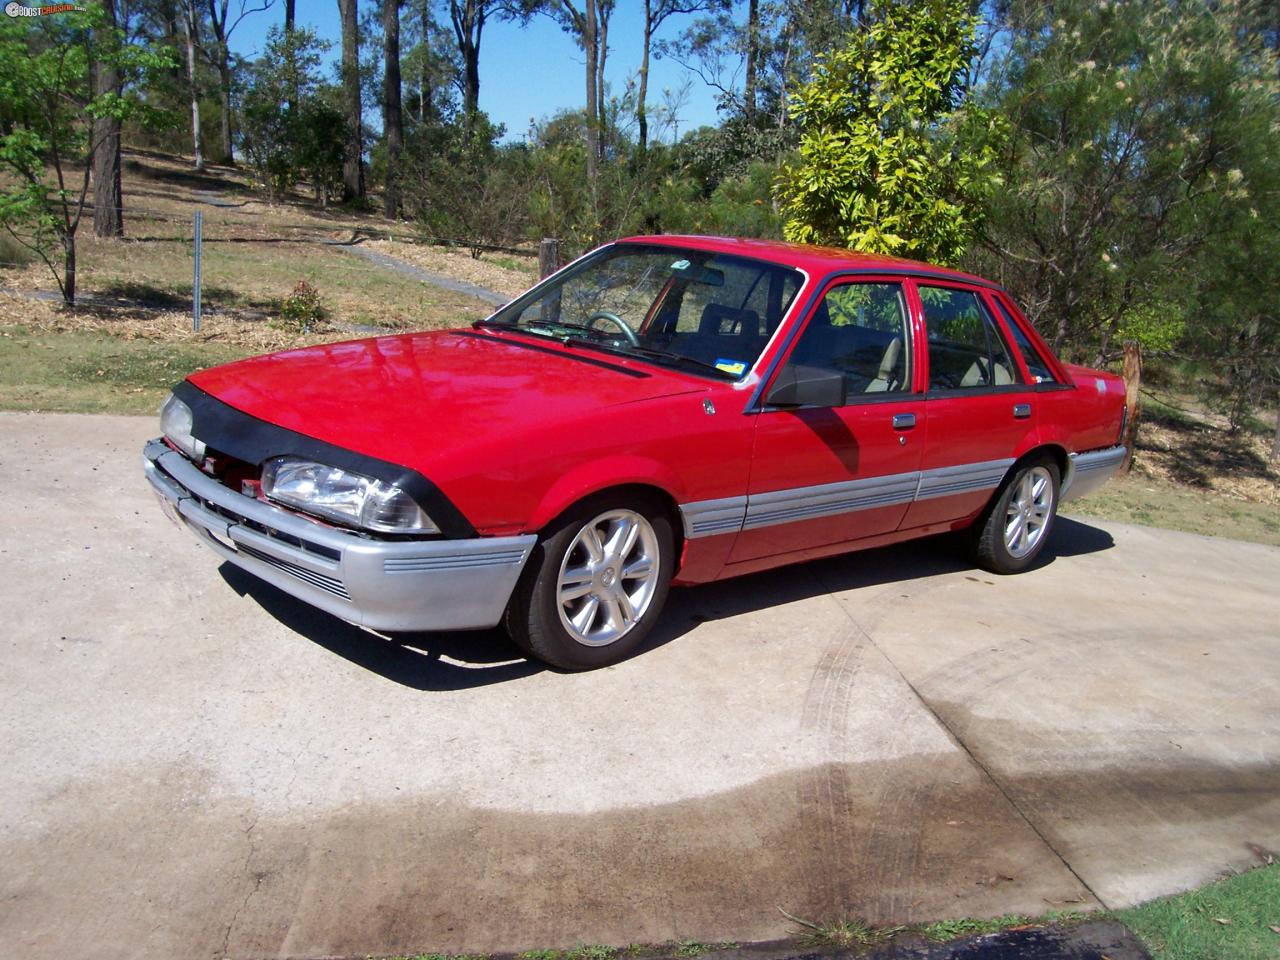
x=1030, y=508
x=608, y=577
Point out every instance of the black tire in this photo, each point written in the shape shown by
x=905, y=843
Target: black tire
x=989, y=544
x=533, y=616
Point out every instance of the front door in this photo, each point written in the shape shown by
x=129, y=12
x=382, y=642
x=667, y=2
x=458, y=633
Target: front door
x=823, y=475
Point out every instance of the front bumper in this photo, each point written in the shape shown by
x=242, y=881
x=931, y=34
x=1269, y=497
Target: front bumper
x=1086, y=472
x=379, y=584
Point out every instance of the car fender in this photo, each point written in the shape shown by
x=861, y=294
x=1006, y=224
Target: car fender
x=594, y=476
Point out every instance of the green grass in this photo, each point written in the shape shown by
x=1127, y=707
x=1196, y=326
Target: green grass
x=695, y=948
x=943, y=930
x=1158, y=503
x=71, y=372
x=843, y=933
x=1233, y=919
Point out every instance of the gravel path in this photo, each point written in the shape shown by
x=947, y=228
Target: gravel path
x=426, y=276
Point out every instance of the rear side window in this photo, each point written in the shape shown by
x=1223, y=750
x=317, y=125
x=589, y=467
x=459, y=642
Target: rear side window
x=1036, y=366
x=965, y=346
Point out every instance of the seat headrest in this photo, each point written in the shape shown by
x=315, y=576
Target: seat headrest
x=725, y=321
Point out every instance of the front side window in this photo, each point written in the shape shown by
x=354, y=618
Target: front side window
x=860, y=330
x=965, y=348
x=702, y=310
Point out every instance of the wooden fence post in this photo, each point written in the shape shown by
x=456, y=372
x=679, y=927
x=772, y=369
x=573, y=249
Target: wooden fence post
x=548, y=257
x=1132, y=372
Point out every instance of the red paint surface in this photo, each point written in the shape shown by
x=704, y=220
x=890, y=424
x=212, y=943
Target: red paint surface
x=514, y=436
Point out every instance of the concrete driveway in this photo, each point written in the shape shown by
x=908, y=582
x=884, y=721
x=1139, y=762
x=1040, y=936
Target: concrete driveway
x=196, y=765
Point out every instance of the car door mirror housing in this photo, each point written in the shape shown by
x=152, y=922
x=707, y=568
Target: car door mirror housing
x=801, y=386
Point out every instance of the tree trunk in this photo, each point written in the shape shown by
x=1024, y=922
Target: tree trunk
x=591, y=47
x=468, y=18
x=289, y=20
x=108, y=201
x=470, y=81
x=69, y=269
x=191, y=25
x=392, y=121
x=169, y=16
x=1132, y=398
x=641, y=119
x=424, y=85
x=603, y=10
x=753, y=59
x=1275, y=444
x=224, y=96
x=353, y=162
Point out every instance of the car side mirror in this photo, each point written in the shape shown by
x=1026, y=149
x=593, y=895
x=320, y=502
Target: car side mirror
x=801, y=386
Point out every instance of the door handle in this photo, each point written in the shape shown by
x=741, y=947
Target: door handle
x=904, y=421
x=1021, y=411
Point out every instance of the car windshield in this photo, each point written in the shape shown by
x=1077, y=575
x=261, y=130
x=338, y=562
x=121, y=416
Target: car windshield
x=707, y=312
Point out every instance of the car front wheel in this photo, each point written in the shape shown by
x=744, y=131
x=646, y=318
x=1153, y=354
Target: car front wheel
x=595, y=585
x=1011, y=533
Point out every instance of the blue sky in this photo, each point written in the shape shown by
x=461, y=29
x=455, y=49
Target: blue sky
x=526, y=72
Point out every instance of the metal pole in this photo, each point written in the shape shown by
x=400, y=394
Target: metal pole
x=195, y=279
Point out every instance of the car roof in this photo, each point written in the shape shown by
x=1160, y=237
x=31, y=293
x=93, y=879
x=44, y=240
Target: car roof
x=814, y=260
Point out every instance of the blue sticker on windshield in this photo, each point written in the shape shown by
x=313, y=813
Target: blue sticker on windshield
x=735, y=367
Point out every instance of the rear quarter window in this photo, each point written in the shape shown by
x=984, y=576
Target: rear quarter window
x=1036, y=365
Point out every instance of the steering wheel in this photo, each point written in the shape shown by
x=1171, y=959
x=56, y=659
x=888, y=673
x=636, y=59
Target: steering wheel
x=617, y=321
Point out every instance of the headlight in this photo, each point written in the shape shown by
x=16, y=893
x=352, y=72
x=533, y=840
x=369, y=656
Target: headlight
x=349, y=498
x=176, y=424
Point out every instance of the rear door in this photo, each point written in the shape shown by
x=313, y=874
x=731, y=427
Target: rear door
x=979, y=406
x=833, y=474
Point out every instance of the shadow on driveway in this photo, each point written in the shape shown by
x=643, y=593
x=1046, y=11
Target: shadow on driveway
x=461, y=660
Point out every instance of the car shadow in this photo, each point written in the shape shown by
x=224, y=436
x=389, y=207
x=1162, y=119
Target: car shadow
x=461, y=660
x=454, y=660
x=915, y=559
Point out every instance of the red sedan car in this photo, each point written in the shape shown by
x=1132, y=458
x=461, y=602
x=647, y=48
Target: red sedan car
x=663, y=410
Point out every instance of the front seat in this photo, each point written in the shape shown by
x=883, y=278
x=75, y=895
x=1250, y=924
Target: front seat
x=886, y=377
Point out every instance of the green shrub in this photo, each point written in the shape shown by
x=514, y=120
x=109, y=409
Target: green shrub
x=301, y=311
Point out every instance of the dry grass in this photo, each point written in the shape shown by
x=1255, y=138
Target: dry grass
x=1191, y=473
x=255, y=252
x=157, y=326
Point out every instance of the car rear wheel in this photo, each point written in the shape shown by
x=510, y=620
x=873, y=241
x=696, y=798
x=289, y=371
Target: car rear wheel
x=1011, y=533
x=595, y=585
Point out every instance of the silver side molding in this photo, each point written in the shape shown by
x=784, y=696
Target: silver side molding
x=966, y=478
x=707, y=518
x=829, y=499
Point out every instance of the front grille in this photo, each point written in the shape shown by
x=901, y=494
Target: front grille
x=329, y=584
x=309, y=546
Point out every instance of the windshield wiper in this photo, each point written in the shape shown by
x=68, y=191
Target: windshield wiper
x=660, y=356
x=547, y=330
x=679, y=358
x=607, y=346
